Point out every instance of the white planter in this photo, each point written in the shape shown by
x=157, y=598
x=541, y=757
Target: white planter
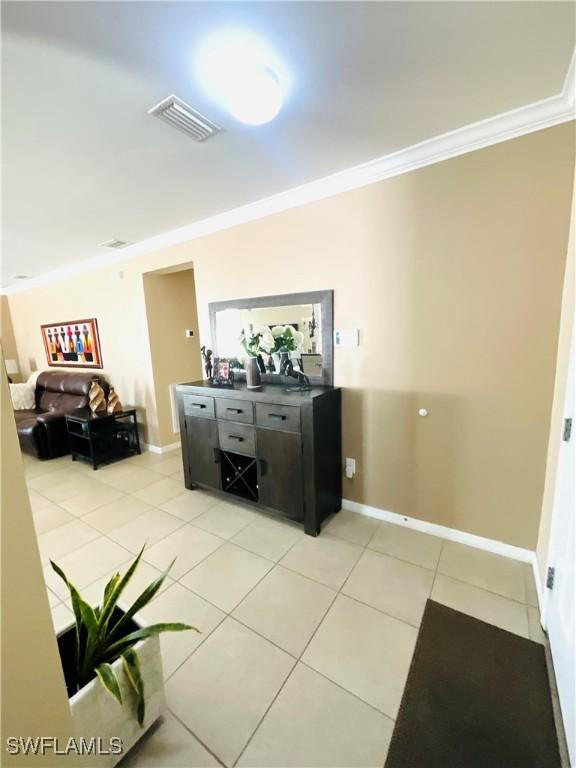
x=96, y=713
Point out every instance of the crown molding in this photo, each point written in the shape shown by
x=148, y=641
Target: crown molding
x=494, y=130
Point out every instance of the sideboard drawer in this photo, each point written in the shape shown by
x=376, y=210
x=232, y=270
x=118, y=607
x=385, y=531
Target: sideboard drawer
x=238, y=438
x=235, y=410
x=283, y=417
x=196, y=405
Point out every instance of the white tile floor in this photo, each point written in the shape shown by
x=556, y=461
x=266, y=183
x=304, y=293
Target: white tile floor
x=305, y=643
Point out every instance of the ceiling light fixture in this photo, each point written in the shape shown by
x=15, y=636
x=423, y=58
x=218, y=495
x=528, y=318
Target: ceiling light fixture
x=243, y=74
x=20, y=277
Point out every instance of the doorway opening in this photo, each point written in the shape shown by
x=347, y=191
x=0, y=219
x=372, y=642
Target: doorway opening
x=172, y=315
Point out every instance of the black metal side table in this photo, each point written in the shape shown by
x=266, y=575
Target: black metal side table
x=103, y=437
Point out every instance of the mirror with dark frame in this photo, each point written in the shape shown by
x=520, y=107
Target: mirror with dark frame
x=296, y=333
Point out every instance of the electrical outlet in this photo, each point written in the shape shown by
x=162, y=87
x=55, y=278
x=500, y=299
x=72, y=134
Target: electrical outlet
x=350, y=468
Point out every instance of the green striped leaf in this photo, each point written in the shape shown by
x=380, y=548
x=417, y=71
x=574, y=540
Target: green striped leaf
x=86, y=611
x=132, y=668
x=109, y=587
x=140, y=602
x=141, y=634
x=64, y=578
x=77, y=614
x=90, y=621
x=114, y=593
x=109, y=681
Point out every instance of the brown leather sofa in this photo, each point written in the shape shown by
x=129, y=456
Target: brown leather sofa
x=42, y=431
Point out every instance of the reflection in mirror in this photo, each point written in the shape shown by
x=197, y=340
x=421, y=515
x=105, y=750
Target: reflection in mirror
x=296, y=331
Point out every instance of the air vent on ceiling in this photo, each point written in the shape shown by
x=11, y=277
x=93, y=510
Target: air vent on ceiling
x=177, y=113
x=115, y=243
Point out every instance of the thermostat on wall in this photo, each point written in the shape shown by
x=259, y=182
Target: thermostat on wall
x=347, y=338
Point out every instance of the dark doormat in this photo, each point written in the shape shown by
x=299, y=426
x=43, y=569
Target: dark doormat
x=476, y=697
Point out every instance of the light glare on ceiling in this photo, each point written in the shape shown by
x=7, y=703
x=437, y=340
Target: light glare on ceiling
x=242, y=73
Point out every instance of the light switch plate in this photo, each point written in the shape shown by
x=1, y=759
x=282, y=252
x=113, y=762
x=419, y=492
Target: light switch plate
x=347, y=338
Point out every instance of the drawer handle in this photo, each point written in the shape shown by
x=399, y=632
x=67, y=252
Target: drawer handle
x=236, y=437
x=277, y=416
x=234, y=410
x=198, y=405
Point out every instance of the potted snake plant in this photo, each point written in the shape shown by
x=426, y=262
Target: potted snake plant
x=112, y=666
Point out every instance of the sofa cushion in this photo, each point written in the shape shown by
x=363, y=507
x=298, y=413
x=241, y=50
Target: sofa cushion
x=65, y=391
x=66, y=381
x=26, y=417
x=23, y=396
x=31, y=433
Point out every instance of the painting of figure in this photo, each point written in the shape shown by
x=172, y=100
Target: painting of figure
x=72, y=344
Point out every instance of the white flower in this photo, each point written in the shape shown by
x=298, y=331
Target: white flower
x=298, y=339
x=267, y=341
x=278, y=330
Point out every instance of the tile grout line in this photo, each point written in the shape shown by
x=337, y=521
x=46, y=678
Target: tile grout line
x=251, y=629
x=337, y=593
x=345, y=690
x=231, y=541
x=133, y=554
x=268, y=708
x=229, y=615
x=196, y=594
x=113, y=541
x=199, y=740
x=340, y=592
x=224, y=541
x=483, y=589
x=277, y=563
x=106, y=534
x=299, y=658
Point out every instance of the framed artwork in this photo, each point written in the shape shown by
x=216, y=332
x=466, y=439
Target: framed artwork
x=72, y=344
x=223, y=372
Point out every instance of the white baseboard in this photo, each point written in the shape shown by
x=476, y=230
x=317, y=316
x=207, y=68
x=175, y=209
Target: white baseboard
x=443, y=532
x=160, y=448
x=539, y=588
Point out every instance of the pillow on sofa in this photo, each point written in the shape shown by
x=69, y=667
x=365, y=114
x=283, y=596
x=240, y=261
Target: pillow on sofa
x=23, y=396
x=32, y=378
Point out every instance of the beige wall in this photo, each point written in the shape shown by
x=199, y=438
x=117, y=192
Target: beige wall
x=7, y=334
x=171, y=309
x=120, y=310
x=452, y=273
x=34, y=698
x=567, y=329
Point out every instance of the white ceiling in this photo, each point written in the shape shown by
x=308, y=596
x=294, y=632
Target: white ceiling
x=84, y=163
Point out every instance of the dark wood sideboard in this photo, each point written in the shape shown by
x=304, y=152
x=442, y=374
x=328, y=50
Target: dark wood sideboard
x=276, y=448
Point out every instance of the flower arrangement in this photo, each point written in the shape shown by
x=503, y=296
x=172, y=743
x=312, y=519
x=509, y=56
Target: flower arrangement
x=287, y=339
x=257, y=339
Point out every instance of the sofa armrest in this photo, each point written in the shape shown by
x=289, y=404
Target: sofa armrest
x=50, y=417
x=53, y=424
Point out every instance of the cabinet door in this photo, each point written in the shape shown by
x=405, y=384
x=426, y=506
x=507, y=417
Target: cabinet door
x=280, y=472
x=203, y=453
